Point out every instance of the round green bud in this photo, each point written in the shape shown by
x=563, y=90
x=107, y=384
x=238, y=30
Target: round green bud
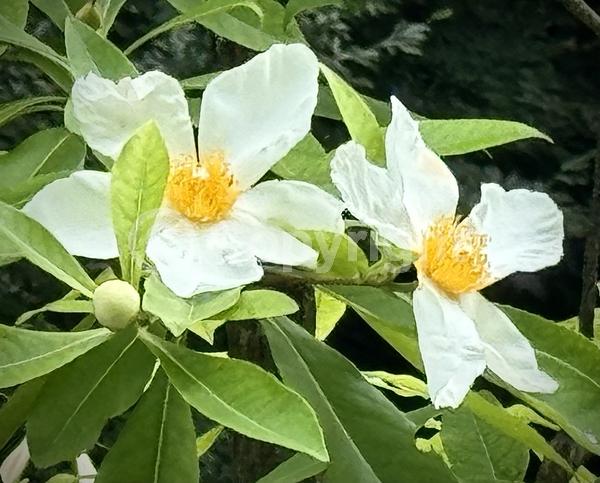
x=90, y=15
x=116, y=303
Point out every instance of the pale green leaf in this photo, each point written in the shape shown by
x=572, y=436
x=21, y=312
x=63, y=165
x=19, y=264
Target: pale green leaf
x=460, y=136
x=14, y=412
x=359, y=119
x=27, y=354
x=13, y=35
x=525, y=413
x=198, y=82
x=61, y=76
x=259, y=304
x=307, y=161
x=34, y=242
x=13, y=109
x=297, y=468
x=329, y=311
x=179, y=314
x=197, y=13
x=478, y=452
x=241, y=396
x=88, y=52
x=138, y=181
x=206, y=440
x=109, y=10
x=63, y=306
x=402, y=384
x=56, y=10
x=45, y=152
x=78, y=399
x=368, y=438
x=158, y=442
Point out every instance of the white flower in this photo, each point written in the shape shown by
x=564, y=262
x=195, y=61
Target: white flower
x=214, y=225
x=412, y=204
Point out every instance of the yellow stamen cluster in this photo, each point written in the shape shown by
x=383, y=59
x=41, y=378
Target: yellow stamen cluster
x=454, y=256
x=203, y=191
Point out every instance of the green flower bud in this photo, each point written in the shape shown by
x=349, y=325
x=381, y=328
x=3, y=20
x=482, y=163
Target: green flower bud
x=90, y=15
x=116, y=303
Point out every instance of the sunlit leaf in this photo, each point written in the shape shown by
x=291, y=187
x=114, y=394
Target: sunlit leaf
x=78, y=399
x=138, y=181
x=241, y=396
x=32, y=241
x=402, y=384
x=361, y=426
x=329, y=311
x=205, y=441
x=27, y=354
x=179, y=314
x=157, y=443
x=460, y=136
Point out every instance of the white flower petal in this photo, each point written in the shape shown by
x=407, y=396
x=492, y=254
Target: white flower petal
x=257, y=112
x=76, y=210
x=430, y=189
x=193, y=258
x=508, y=353
x=293, y=205
x=371, y=194
x=270, y=243
x=525, y=229
x=108, y=114
x=451, y=350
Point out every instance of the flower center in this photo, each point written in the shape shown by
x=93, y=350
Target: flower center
x=203, y=191
x=454, y=256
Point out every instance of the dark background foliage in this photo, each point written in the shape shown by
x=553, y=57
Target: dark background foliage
x=525, y=60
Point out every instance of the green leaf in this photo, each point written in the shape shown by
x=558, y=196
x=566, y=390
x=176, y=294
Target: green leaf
x=63, y=306
x=241, y=396
x=13, y=35
x=158, y=442
x=197, y=13
x=19, y=194
x=180, y=314
x=61, y=76
x=478, y=452
x=460, y=136
x=329, y=311
x=56, y=10
x=368, y=438
x=339, y=255
x=78, y=399
x=297, y=468
x=307, y=161
x=13, y=109
x=199, y=82
x=90, y=52
x=574, y=362
x=45, y=152
x=401, y=384
x=109, y=10
x=27, y=354
x=259, y=304
x=294, y=7
x=35, y=243
x=138, y=181
x=528, y=415
x=359, y=119
x=14, y=412
x=15, y=11
x=392, y=318
x=205, y=441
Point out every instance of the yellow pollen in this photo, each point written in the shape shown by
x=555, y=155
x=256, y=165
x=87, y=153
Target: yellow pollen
x=203, y=191
x=454, y=256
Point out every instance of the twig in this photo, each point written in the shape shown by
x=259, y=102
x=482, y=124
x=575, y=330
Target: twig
x=581, y=10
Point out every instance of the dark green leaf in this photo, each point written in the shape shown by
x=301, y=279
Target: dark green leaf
x=14, y=412
x=241, y=396
x=138, y=181
x=78, y=399
x=27, y=354
x=368, y=438
x=158, y=443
